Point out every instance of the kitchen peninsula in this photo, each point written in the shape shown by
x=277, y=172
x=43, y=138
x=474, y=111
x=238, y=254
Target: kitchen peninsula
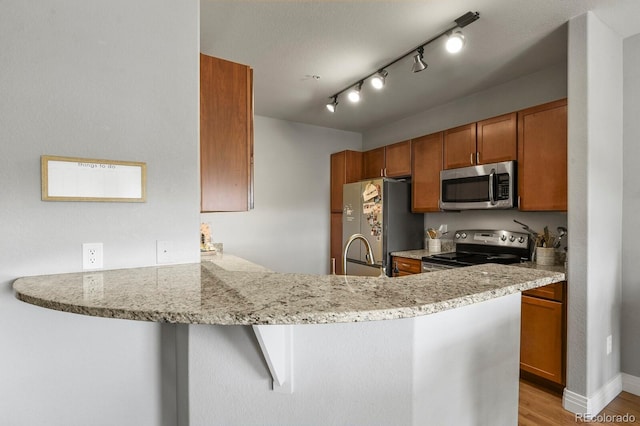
x=450, y=355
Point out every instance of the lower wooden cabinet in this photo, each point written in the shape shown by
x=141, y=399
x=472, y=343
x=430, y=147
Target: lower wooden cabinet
x=405, y=266
x=543, y=333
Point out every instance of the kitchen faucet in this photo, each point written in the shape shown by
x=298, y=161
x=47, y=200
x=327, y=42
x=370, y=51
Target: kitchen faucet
x=348, y=244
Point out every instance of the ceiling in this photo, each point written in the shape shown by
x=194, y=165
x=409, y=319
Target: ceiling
x=303, y=52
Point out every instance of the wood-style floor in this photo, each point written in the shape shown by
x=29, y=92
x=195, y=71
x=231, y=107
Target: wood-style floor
x=540, y=407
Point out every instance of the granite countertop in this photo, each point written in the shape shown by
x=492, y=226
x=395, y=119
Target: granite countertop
x=229, y=290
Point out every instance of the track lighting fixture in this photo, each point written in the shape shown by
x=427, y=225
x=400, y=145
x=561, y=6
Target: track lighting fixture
x=418, y=63
x=331, y=106
x=377, y=81
x=354, y=94
x=454, y=44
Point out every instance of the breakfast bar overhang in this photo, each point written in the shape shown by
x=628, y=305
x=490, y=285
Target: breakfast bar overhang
x=436, y=348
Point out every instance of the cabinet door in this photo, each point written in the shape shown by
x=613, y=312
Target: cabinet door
x=426, y=163
x=398, y=159
x=541, y=338
x=373, y=163
x=226, y=135
x=346, y=167
x=542, y=157
x=460, y=146
x=336, y=241
x=338, y=161
x=353, y=166
x=497, y=139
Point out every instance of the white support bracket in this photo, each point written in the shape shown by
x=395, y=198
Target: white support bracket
x=276, y=343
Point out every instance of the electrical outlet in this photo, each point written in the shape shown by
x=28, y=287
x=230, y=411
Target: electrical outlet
x=609, y=344
x=93, y=286
x=92, y=256
x=164, y=251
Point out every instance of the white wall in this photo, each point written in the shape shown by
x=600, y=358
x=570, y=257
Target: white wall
x=115, y=80
x=595, y=205
x=631, y=207
x=456, y=367
x=288, y=230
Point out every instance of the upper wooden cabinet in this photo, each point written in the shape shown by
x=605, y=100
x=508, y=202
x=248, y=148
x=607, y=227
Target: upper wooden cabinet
x=426, y=162
x=226, y=135
x=373, y=163
x=487, y=141
x=346, y=167
x=460, y=146
x=388, y=161
x=497, y=139
x=542, y=157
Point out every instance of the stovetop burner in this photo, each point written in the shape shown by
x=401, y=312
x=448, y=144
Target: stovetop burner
x=475, y=247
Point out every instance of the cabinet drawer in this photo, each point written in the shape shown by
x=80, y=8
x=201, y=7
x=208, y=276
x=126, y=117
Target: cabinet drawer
x=551, y=292
x=406, y=266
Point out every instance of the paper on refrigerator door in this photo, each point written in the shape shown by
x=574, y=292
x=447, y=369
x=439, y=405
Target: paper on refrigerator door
x=368, y=208
x=370, y=191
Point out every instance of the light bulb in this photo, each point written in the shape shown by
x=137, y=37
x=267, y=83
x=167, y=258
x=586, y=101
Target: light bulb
x=455, y=42
x=377, y=81
x=354, y=94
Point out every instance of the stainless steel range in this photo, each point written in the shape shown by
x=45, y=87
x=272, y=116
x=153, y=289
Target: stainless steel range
x=478, y=246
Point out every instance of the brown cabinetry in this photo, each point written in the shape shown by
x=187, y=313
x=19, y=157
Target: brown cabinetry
x=346, y=167
x=460, y=146
x=542, y=157
x=336, y=243
x=387, y=161
x=497, y=139
x=543, y=332
x=226, y=135
x=487, y=141
x=426, y=163
x=405, y=266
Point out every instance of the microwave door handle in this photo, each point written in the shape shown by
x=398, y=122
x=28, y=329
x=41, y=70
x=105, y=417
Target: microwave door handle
x=492, y=177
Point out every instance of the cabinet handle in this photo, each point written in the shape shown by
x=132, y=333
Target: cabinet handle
x=477, y=158
x=471, y=158
x=333, y=266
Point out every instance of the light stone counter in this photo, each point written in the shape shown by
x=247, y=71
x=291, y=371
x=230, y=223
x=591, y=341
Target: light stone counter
x=229, y=290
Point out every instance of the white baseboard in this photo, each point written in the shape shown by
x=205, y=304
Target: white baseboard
x=631, y=384
x=591, y=406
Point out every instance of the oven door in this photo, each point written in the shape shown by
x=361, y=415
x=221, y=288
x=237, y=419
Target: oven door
x=487, y=186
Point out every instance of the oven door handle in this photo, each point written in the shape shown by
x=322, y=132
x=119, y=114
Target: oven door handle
x=492, y=177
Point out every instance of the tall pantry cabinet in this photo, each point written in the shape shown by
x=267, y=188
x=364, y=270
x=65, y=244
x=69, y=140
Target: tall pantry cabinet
x=346, y=167
x=226, y=135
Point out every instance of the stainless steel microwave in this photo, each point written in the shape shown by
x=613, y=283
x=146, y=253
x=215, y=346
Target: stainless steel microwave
x=486, y=186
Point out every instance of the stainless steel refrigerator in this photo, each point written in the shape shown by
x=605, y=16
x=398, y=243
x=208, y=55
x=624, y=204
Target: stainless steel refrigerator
x=380, y=210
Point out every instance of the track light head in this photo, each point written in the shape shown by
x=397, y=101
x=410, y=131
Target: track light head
x=418, y=63
x=455, y=42
x=331, y=106
x=354, y=94
x=377, y=81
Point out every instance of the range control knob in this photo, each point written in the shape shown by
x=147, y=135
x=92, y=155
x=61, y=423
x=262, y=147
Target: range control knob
x=512, y=238
x=503, y=237
x=521, y=240
x=463, y=235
